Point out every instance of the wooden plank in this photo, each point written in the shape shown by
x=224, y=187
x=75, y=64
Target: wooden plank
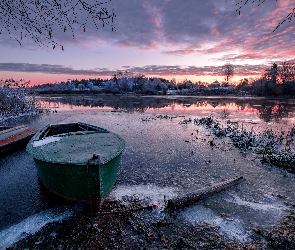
x=192, y=198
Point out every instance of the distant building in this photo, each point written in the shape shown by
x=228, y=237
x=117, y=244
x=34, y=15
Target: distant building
x=171, y=92
x=215, y=84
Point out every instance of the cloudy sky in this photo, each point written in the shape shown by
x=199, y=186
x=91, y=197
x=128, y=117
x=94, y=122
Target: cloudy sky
x=189, y=39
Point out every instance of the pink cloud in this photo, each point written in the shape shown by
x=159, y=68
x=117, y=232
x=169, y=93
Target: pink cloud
x=214, y=31
x=181, y=52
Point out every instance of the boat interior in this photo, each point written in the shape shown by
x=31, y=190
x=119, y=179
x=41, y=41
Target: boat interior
x=58, y=129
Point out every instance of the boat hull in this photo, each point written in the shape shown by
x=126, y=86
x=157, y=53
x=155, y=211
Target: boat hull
x=15, y=138
x=79, y=183
x=77, y=161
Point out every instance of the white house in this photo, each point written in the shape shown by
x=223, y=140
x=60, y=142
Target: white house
x=215, y=84
x=171, y=92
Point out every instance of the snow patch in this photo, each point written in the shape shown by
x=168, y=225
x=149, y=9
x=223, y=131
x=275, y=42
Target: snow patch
x=30, y=225
x=46, y=140
x=276, y=209
x=144, y=193
x=232, y=229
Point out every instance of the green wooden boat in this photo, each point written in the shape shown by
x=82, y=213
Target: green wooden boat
x=77, y=161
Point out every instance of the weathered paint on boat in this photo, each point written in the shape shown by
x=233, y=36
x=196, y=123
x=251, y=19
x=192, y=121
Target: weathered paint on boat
x=14, y=138
x=77, y=161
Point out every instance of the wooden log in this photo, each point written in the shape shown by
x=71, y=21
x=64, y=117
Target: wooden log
x=192, y=198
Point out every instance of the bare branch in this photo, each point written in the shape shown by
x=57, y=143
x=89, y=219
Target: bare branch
x=228, y=71
x=242, y=3
x=38, y=19
x=288, y=18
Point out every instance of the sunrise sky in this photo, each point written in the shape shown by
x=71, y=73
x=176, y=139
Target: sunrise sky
x=189, y=39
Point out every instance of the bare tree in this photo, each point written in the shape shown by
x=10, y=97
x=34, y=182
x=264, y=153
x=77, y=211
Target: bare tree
x=271, y=74
x=274, y=72
x=42, y=19
x=287, y=71
x=284, y=72
x=288, y=18
x=228, y=71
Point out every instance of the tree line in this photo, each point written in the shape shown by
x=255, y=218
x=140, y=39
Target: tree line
x=276, y=80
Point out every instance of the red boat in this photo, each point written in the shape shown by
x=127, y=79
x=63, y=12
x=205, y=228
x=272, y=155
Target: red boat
x=14, y=138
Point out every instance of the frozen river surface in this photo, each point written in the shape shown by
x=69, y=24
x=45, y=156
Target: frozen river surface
x=163, y=157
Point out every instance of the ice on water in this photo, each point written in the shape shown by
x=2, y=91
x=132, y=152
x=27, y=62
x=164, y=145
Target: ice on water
x=31, y=225
x=237, y=228
x=232, y=229
x=274, y=209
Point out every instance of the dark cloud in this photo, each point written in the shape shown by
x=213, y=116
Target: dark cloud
x=155, y=70
x=148, y=24
x=186, y=27
x=50, y=69
x=191, y=26
x=241, y=57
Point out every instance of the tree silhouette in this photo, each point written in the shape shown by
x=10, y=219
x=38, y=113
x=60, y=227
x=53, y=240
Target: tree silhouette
x=287, y=71
x=242, y=3
x=42, y=19
x=228, y=71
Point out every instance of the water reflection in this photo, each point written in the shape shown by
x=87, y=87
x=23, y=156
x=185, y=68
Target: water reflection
x=275, y=112
x=268, y=110
x=161, y=158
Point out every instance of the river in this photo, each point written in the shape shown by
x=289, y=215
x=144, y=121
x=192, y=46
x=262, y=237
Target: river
x=163, y=157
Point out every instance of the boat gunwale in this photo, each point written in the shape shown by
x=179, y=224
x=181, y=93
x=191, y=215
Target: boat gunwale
x=10, y=129
x=14, y=138
x=41, y=134
x=30, y=133
x=42, y=131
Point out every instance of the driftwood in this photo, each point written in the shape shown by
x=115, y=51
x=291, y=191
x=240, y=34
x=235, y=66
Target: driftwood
x=190, y=199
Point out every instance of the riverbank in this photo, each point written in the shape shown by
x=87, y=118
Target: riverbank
x=128, y=232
